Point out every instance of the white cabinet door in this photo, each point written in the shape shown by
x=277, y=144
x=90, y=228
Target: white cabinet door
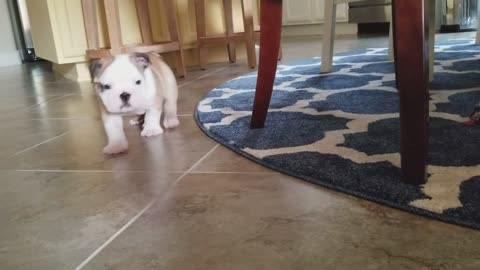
x=342, y=13
x=297, y=12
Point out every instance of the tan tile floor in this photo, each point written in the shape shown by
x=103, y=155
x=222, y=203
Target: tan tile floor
x=181, y=201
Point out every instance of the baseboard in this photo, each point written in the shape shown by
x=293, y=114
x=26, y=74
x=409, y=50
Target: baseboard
x=11, y=58
x=317, y=29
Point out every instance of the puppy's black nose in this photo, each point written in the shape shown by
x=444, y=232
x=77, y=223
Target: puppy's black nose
x=125, y=97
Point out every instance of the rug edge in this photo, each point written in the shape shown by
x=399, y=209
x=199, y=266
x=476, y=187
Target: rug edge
x=409, y=209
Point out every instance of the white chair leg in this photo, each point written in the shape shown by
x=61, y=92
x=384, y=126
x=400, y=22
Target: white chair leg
x=478, y=26
x=328, y=36
x=431, y=39
x=391, y=54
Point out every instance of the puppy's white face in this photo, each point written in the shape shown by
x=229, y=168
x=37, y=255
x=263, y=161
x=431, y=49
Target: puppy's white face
x=120, y=82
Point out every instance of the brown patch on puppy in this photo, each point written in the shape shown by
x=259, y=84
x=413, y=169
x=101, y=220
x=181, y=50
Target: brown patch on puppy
x=97, y=67
x=156, y=64
x=145, y=60
x=141, y=61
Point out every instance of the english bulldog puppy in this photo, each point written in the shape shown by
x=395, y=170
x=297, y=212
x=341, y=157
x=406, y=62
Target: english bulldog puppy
x=134, y=84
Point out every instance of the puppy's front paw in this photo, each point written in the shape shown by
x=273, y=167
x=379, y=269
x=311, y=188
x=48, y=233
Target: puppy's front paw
x=116, y=148
x=150, y=132
x=171, y=122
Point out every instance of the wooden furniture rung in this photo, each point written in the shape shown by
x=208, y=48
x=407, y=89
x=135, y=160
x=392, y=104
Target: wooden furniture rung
x=158, y=48
x=229, y=38
x=94, y=51
x=220, y=40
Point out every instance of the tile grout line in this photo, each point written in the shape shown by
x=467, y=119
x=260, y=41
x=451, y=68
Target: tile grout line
x=38, y=144
x=90, y=171
x=81, y=118
x=199, y=161
x=201, y=77
x=227, y=172
x=50, y=100
x=136, y=217
x=65, y=118
x=38, y=104
x=149, y=172
x=57, y=97
x=86, y=90
x=113, y=237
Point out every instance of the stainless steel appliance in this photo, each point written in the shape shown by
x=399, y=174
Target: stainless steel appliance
x=451, y=15
x=370, y=11
x=21, y=25
x=458, y=15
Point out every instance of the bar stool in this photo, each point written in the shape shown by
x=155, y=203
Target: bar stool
x=329, y=33
x=329, y=36
x=230, y=38
x=477, y=40
x=115, y=36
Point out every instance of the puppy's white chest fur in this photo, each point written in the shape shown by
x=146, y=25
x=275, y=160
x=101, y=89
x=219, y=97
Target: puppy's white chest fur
x=151, y=89
x=135, y=84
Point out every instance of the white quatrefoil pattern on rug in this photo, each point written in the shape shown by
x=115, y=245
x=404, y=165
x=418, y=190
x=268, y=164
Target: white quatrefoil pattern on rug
x=341, y=130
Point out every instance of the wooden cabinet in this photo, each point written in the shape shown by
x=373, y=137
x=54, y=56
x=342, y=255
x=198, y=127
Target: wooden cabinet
x=67, y=17
x=309, y=12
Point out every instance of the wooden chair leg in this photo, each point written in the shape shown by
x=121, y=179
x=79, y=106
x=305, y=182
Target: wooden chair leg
x=91, y=23
x=113, y=25
x=271, y=25
x=412, y=81
x=144, y=21
x=328, y=36
x=227, y=6
x=247, y=9
x=201, y=32
x=175, y=36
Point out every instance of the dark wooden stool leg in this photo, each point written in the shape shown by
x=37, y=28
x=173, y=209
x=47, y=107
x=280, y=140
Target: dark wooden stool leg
x=271, y=31
x=411, y=54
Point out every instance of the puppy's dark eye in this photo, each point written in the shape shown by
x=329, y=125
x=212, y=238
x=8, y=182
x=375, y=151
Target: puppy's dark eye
x=106, y=86
x=138, y=82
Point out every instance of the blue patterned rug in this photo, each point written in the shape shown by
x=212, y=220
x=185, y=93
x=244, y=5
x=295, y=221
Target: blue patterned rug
x=341, y=130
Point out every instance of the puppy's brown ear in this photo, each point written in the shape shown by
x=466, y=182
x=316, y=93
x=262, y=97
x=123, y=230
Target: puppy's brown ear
x=96, y=67
x=142, y=60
